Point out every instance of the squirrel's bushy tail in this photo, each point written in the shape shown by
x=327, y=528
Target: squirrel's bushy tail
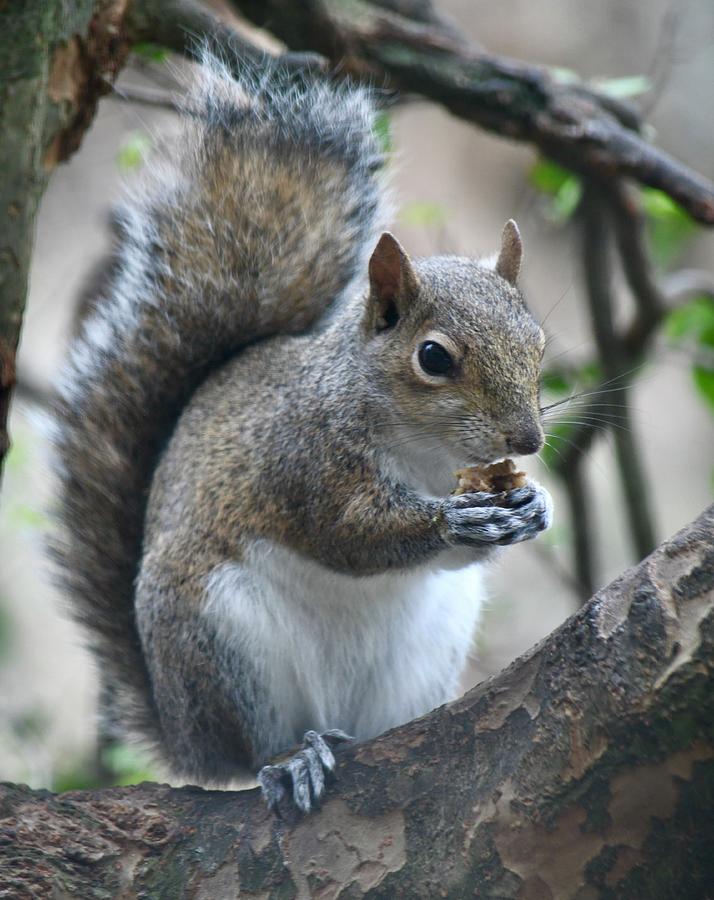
x=249, y=223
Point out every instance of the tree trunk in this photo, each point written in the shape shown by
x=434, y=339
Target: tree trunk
x=56, y=60
x=585, y=769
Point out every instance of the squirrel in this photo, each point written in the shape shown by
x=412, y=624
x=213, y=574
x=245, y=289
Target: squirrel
x=257, y=434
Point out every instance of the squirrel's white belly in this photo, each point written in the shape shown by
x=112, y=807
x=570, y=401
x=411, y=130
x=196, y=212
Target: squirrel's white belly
x=336, y=651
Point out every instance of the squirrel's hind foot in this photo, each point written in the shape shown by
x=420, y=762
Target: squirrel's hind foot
x=304, y=773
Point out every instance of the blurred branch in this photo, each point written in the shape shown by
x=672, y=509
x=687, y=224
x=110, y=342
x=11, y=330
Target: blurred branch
x=179, y=25
x=182, y=25
x=630, y=234
x=612, y=355
x=617, y=362
x=653, y=300
x=568, y=121
x=145, y=96
x=663, y=56
x=408, y=45
x=581, y=508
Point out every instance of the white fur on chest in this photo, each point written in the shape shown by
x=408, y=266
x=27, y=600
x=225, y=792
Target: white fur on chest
x=334, y=651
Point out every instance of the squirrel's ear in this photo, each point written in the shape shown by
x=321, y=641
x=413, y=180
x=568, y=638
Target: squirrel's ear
x=392, y=282
x=511, y=254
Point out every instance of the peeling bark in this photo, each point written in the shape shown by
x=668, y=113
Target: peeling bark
x=585, y=769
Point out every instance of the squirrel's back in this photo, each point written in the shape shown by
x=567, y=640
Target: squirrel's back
x=251, y=222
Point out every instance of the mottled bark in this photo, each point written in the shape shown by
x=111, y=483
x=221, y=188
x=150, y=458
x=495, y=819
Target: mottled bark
x=585, y=770
x=56, y=60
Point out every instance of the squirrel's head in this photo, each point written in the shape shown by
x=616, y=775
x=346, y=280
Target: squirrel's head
x=455, y=351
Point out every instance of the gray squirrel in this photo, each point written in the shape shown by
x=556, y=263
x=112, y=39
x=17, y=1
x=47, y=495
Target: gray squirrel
x=257, y=437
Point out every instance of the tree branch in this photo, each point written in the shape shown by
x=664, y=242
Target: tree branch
x=630, y=233
x=569, y=122
x=614, y=363
x=580, y=504
x=653, y=301
x=182, y=25
x=585, y=766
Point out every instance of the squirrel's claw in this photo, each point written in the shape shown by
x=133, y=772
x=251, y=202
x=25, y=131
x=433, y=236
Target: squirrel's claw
x=522, y=514
x=534, y=515
x=304, y=772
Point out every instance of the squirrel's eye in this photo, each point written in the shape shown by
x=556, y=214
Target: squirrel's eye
x=434, y=359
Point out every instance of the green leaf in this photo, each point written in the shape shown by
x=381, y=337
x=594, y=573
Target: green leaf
x=78, y=778
x=694, y=319
x=556, y=381
x=133, y=151
x=124, y=764
x=129, y=765
x=564, y=189
x=548, y=177
x=566, y=200
x=620, y=88
x=151, y=52
x=669, y=226
x=383, y=131
x=704, y=380
x=423, y=214
x=589, y=373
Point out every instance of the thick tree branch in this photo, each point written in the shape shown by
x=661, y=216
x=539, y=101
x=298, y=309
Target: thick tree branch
x=587, y=764
x=569, y=122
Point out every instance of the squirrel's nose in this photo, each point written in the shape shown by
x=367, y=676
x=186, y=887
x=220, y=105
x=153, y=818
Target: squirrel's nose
x=525, y=441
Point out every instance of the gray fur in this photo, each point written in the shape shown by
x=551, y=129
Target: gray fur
x=473, y=518
x=251, y=222
x=254, y=537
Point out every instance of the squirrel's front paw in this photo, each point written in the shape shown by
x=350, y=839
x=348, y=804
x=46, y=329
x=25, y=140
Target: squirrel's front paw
x=475, y=518
x=304, y=773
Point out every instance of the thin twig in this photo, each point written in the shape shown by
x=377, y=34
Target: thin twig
x=663, y=56
x=146, y=96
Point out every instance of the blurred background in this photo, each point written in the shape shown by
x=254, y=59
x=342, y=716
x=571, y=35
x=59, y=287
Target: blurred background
x=454, y=186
